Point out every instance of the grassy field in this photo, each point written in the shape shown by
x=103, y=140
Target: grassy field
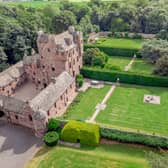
x=84, y=105
x=126, y=109
x=120, y=43
x=120, y=62
x=111, y=156
x=140, y=66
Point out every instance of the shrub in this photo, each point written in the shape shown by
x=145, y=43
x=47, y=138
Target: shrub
x=85, y=133
x=53, y=125
x=112, y=67
x=79, y=80
x=93, y=56
x=51, y=138
x=125, y=77
x=130, y=137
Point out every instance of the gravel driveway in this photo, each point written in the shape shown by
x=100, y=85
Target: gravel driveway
x=17, y=145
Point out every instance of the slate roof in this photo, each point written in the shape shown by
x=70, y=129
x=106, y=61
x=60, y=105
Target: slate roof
x=47, y=97
x=11, y=104
x=9, y=75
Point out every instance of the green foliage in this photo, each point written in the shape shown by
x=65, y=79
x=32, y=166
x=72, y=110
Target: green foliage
x=112, y=67
x=85, y=133
x=152, y=50
x=64, y=20
x=125, y=52
x=130, y=137
x=79, y=80
x=94, y=57
x=53, y=124
x=125, y=77
x=51, y=138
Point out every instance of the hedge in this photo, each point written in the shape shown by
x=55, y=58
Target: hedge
x=130, y=137
x=125, y=77
x=85, y=133
x=125, y=52
x=51, y=138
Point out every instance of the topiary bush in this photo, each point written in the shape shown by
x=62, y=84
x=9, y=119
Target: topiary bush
x=53, y=125
x=85, y=133
x=51, y=138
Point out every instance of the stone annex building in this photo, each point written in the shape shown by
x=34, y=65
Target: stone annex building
x=42, y=85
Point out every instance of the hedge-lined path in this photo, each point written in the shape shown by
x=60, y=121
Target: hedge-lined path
x=102, y=105
x=130, y=64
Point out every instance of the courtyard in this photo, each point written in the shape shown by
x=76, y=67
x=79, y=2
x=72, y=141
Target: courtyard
x=17, y=145
x=125, y=108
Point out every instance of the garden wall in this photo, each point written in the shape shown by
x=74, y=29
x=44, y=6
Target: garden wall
x=125, y=77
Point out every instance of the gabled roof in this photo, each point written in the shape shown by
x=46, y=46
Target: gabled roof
x=11, y=104
x=47, y=97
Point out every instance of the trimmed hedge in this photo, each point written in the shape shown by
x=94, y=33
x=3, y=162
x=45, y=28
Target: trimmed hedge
x=125, y=77
x=130, y=137
x=51, y=138
x=85, y=133
x=125, y=52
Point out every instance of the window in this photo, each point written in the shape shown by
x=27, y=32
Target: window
x=48, y=113
x=61, y=97
x=43, y=66
x=34, y=73
x=30, y=118
x=53, y=69
x=16, y=117
x=45, y=85
x=77, y=58
x=48, y=50
x=74, y=61
x=71, y=86
x=39, y=82
x=55, y=105
x=70, y=65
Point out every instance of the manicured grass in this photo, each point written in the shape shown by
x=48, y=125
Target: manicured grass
x=126, y=109
x=120, y=43
x=120, y=62
x=84, y=105
x=141, y=66
x=114, y=156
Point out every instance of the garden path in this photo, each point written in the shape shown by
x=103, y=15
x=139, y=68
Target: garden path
x=130, y=63
x=102, y=105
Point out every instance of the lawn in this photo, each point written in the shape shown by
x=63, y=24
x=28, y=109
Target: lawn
x=111, y=156
x=141, y=66
x=126, y=109
x=84, y=104
x=118, y=62
x=120, y=43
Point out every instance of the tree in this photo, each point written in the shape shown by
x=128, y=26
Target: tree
x=3, y=60
x=162, y=66
x=62, y=21
x=152, y=50
x=94, y=57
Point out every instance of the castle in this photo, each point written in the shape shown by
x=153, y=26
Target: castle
x=42, y=86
